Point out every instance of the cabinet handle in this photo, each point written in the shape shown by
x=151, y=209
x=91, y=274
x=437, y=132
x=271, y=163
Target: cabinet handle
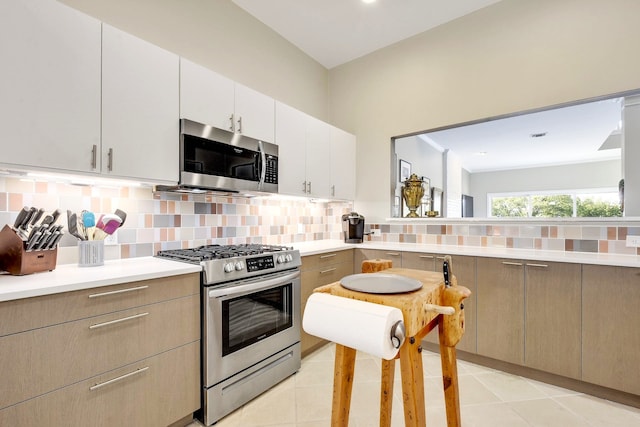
x=121, y=377
x=333, y=190
x=327, y=271
x=232, y=128
x=112, y=322
x=304, y=187
x=309, y=187
x=110, y=160
x=327, y=256
x=426, y=256
x=538, y=265
x=119, y=291
x=440, y=257
x=240, y=124
x=94, y=157
x=512, y=263
x=392, y=254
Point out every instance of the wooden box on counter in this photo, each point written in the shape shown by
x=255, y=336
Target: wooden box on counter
x=15, y=259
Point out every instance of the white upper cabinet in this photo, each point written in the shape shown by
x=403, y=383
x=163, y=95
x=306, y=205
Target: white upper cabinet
x=212, y=99
x=343, y=164
x=303, y=153
x=49, y=85
x=140, y=108
x=205, y=96
x=291, y=137
x=318, y=158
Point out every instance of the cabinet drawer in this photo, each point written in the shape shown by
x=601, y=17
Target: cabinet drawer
x=363, y=254
x=153, y=392
x=30, y=313
x=66, y=353
x=320, y=261
x=419, y=261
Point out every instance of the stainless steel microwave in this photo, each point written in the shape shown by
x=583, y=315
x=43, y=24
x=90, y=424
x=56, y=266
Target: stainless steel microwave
x=219, y=160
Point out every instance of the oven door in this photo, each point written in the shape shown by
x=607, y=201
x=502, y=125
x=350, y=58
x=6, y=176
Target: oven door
x=249, y=321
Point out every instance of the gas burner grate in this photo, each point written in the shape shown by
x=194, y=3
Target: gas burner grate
x=209, y=252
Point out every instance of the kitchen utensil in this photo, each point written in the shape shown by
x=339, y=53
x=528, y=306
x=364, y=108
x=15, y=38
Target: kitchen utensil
x=27, y=220
x=22, y=215
x=122, y=215
x=89, y=221
x=106, y=226
x=72, y=225
x=55, y=215
x=37, y=216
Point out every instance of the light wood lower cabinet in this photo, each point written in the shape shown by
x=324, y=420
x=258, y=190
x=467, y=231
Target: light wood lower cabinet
x=419, y=261
x=153, y=392
x=611, y=327
x=363, y=254
x=54, y=347
x=500, y=314
x=553, y=318
x=318, y=270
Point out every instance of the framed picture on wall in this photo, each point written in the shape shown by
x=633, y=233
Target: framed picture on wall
x=405, y=170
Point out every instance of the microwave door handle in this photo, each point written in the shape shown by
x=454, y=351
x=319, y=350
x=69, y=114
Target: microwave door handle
x=263, y=164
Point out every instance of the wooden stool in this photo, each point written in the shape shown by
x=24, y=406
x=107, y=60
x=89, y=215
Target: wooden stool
x=422, y=311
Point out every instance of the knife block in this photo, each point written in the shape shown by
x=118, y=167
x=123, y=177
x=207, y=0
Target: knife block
x=15, y=259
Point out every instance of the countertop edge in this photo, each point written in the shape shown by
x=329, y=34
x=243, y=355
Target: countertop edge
x=617, y=260
x=70, y=277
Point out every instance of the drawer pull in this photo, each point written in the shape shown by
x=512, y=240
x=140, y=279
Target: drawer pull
x=426, y=256
x=538, y=265
x=327, y=256
x=121, y=377
x=124, y=319
x=327, y=271
x=393, y=254
x=120, y=291
x=512, y=263
x=440, y=257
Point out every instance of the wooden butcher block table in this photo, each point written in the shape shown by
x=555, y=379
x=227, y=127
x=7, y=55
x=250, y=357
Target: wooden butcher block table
x=421, y=310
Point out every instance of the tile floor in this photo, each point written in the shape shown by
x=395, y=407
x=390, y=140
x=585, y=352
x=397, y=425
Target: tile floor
x=488, y=398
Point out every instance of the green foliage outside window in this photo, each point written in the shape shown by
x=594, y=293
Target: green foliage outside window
x=556, y=206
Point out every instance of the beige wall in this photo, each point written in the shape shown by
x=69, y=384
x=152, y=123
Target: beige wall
x=219, y=35
x=512, y=56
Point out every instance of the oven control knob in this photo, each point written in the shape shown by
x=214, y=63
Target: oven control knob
x=289, y=257
x=228, y=268
x=239, y=265
x=281, y=259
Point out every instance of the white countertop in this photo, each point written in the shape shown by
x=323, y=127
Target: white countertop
x=321, y=246
x=70, y=277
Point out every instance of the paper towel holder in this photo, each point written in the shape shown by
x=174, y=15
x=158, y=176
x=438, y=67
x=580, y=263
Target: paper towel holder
x=398, y=334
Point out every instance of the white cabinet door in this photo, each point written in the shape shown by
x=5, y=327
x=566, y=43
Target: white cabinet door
x=49, y=85
x=318, y=158
x=291, y=139
x=140, y=105
x=205, y=96
x=254, y=114
x=343, y=164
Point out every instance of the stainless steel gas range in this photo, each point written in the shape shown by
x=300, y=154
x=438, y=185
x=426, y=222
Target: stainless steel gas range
x=250, y=321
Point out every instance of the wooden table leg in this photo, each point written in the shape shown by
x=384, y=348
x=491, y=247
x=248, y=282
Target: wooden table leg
x=386, y=391
x=343, y=372
x=450, y=383
x=412, y=383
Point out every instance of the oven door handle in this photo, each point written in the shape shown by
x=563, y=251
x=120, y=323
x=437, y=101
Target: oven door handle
x=258, y=285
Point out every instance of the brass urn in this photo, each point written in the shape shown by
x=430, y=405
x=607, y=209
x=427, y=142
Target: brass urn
x=412, y=192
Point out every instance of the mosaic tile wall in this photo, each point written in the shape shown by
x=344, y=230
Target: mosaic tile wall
x=570, y=238
x=168, y=220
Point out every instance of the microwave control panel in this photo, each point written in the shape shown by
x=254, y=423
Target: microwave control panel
x=271, y=175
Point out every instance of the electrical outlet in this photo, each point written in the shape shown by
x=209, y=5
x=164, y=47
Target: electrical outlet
x=112, y=239
x=376, y=232
x=633, y=241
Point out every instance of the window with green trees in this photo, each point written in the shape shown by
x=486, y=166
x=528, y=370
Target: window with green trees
x=555, y=205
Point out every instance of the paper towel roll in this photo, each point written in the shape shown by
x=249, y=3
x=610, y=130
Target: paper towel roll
x=357, y=324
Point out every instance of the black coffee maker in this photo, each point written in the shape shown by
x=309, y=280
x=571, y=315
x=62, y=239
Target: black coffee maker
x=353, y=227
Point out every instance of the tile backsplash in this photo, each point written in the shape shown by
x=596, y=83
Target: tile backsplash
x=157, y=221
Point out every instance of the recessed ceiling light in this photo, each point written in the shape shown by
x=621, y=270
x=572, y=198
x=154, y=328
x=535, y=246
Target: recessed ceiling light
x=368, y=1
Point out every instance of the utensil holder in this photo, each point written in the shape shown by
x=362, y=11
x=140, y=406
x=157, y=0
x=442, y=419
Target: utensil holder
x=15, y=259
x=90, y=253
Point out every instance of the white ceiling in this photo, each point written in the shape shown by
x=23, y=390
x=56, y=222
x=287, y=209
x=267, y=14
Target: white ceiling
x=337, y=31
x=573, y=135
